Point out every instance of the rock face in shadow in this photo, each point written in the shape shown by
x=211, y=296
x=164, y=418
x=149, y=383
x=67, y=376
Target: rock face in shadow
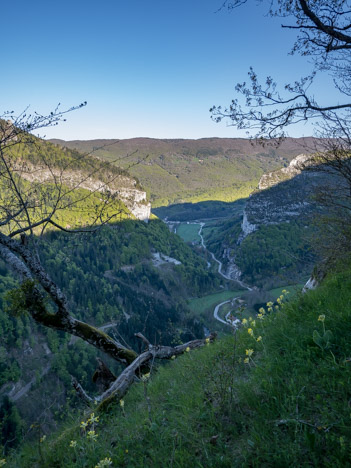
x=275, y=237
x=284, y=195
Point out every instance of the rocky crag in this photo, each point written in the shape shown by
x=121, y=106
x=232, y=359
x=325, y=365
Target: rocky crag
x=125, y=188
x=282, y=195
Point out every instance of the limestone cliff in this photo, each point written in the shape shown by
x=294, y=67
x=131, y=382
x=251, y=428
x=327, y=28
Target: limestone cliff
x=285, y=173
x=282, y=195
x=126, y=188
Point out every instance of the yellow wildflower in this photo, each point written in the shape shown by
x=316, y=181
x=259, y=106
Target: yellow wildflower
x=250, y=331
x=261, y=310
x=127, y=450
x=73, y=443
x=145, y=377
x=260, y=316
x=173, y=357
x=269, y=304
x=92, y=435
x=83, y=424
x=105, y=462
x=321, y=318
x=249, y=352
x=250, y=319
x=270, y=309
x=276, y=307
x=43, y=439
x=281, y=297
x=259, y=338
x=187, y=349
x=246, y=360
x=93, y=418
x=244, y=321
x=121, y=402
x=207, y=340
x=253, y=323
x=279, y=300
x=284, y=291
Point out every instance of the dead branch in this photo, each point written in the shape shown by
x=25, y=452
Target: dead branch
x=124, y=381
x=145, y=340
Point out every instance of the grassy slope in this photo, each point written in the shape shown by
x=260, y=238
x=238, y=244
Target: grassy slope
x=189, y=232
x=206, y=303
x=288, y=407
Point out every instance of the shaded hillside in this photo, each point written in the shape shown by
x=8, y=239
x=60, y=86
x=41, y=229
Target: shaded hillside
x=276, y=396
x=176, y=171
x=129, y=277
x=274, y=239
x=201, y=210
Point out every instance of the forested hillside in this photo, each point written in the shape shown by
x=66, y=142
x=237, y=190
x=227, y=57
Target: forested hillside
x=111, y=278
x=276, y=238
x=177, y=171
x=119, y=274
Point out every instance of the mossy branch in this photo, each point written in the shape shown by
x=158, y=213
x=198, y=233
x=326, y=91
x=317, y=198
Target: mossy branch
x=29, y=297
x=124, y=381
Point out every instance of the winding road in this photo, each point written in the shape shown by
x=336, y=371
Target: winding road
x=217, y=317
x=220, y=265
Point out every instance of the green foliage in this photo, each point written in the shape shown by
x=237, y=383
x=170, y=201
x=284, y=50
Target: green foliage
x=36, y=151
x=9, y=368
x=189, y=232
x=270, y=397
x=16, y=299
x=109, y=278
x=200, y=210
x=10, y=425
x=283, y=249
x=208, y=302
x=274, y=254
x=324, y=340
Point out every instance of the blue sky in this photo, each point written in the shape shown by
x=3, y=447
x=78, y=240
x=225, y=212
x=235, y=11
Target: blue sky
x=146, y=68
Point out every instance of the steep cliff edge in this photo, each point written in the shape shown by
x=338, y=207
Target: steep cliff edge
x=285, y=173
x=282, y=195
x=125, y=187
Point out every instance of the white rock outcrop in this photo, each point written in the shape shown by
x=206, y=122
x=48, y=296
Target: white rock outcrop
x=312, y=283
x=246, y=226
x=295, y=167
x=124, y=187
